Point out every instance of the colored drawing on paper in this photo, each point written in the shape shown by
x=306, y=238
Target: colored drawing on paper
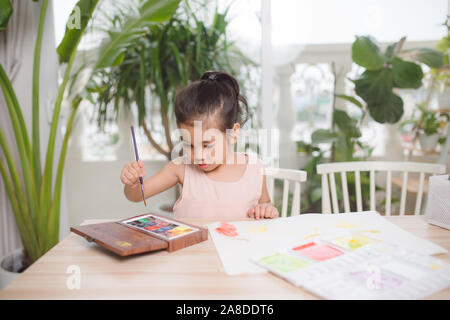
x=353, y=242
x=317, y=251
x=379, y=280
x=257, y=229
x=227, y=229
x=283, y=262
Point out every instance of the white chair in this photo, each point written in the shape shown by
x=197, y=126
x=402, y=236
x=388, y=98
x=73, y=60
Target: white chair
x=287, y=175
x=329, y=169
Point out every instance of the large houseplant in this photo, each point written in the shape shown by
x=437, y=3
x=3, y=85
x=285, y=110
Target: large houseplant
x=35, y=200
x=156, y=65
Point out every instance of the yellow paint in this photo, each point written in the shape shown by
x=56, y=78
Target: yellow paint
x=316, y=229
x=353, y=242
x=370, y=231
x=258, y=229
x=435, y=266
x=312, y=235
x=123, y=244
x=345, y=225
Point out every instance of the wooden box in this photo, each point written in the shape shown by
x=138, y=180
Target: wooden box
x=125, y=239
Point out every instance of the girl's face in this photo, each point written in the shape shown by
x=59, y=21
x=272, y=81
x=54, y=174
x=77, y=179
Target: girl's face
x=206, y=146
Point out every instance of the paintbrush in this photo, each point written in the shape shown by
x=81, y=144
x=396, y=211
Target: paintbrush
x=137, y=159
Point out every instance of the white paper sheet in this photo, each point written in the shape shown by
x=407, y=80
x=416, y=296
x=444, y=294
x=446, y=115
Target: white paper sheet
x=261, y=237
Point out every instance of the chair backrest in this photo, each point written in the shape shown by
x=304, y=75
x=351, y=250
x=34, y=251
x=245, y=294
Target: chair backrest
x=329, y=169
x=287, y=175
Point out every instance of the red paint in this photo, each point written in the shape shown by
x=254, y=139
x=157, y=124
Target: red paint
x=227, y=229
x=317, y=252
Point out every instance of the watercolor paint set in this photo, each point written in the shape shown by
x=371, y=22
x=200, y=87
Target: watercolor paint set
x=144, y=233
x=336, y=270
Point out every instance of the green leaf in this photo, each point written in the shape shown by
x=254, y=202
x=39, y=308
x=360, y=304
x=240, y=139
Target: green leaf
x=375, y=86
x=366, y=53
x=388, y=112
x=346, y=124
x=353, y=100
x=431, y=57
x=323, y=136
x=389, y=53
x=75, y=26
x=158, y=10
x=406, y=74
x=6, y=10
x=119, y=59
x=218, y=27
x=133, y=28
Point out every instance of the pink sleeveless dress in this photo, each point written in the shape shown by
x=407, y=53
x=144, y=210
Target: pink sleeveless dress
x=203, y=197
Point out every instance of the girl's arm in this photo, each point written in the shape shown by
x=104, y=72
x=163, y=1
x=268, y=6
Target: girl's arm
x=163, y=180
x=265, y=198
x=264, y=208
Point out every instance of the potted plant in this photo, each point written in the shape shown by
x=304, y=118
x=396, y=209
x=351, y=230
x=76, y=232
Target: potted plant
x=153, y=67
x=428, y=127
x=36, y=194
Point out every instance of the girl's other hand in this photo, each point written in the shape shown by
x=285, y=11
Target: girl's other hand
x=263, y=210
x=131, y=172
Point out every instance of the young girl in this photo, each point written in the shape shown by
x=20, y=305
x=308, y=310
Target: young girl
x=216, y=181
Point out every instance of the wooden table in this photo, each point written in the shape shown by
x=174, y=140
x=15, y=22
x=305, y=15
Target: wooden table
x=195, y=272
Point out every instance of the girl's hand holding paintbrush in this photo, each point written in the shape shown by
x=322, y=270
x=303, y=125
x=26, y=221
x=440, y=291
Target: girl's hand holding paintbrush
x=131, y=172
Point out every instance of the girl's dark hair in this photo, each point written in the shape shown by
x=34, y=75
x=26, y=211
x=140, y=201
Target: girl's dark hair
x=215, y=93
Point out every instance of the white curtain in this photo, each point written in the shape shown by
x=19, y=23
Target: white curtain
x=16, y=56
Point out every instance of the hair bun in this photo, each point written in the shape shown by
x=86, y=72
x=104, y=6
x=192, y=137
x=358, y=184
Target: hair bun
x=210, y=75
